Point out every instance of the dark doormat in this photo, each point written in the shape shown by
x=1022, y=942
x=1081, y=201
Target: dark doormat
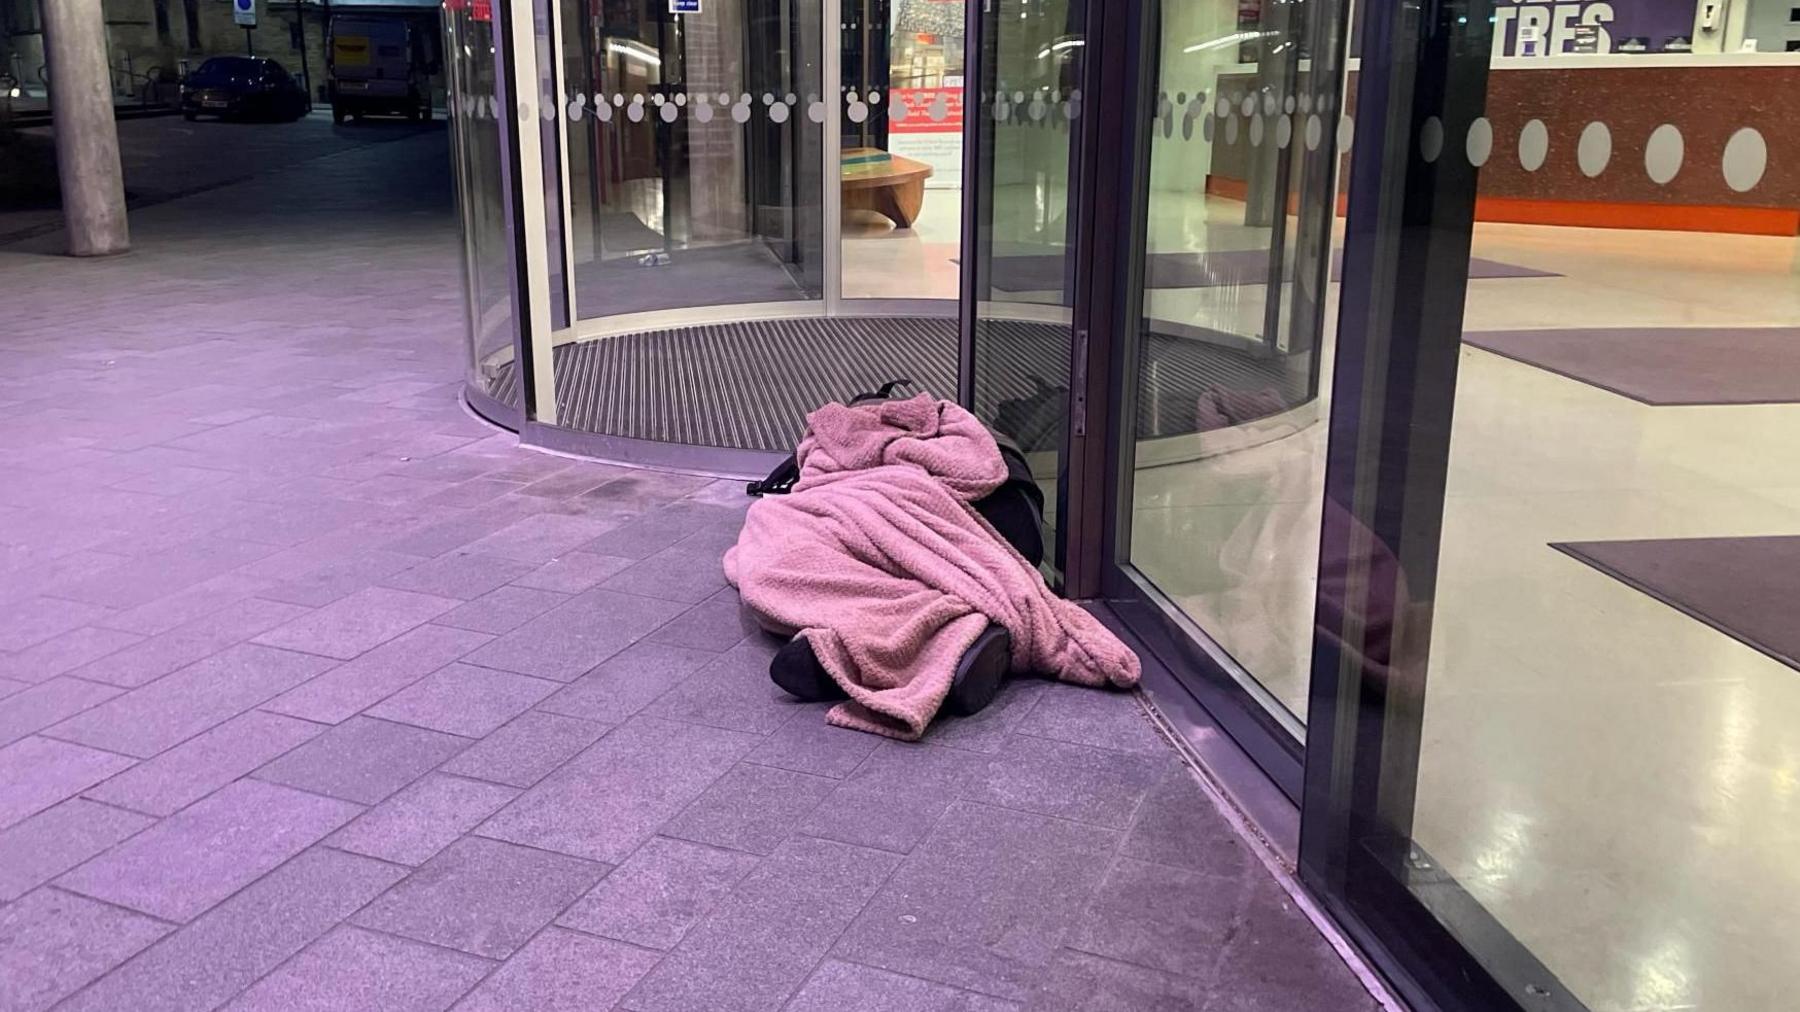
x=1747, y=588
x=1664, y=365
x=1046, y=272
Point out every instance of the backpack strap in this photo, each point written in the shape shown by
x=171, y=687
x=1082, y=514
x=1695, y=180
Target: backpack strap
x=884, y=392
x=779, y=481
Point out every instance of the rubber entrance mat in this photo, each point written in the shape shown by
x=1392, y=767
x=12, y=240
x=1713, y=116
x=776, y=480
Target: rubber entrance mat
x=749, y=385
x=1743, y=587
x=1665, y=365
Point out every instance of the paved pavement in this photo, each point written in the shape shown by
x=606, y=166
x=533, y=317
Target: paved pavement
x=320, y=694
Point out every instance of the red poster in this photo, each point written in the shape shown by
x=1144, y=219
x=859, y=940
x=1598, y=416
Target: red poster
x=484, y=10
x=919, y=104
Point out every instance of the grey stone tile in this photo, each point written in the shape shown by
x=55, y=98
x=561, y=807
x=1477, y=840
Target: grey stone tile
x=578, y=634
x=52, y=943
x=541, y=537
x=57, y=839
x=190, y=861
x=232, y=623
x=32, y=621
x=204, y=763
x=61, y=654
x=30, y=711
x=562, y=971
x=646, y=535
x=1277, y=960
x=339, y=577
x=1079, y=982
x=609, y=799
x=1179, y=825
x=356, y=623
x=1170, y=919
x=527, y=749
x=992, y=728
x=37, y=772
x=644, y=489
x=473, y=492
x=807, y=744
x=680, y=573
x=894, y=798
x=717, y=623
x=837, y=985
x=353, y=686
x=573, y=572
x=502, y=610
x=660, y=892
x=572, y=481
x=482, y=896
x=1099, y=717
x=353, y=969
x=1069, y=781
x=422, y=819
x=627, y=682
x=1033, y=875
x=757, y=946
x=176, y=707
x=226, y=949
x=462, y=575
x=733, y=691
x=750, y=808
x=145, y=579
x=10, y=687
x=463, y=699
x=363, y=760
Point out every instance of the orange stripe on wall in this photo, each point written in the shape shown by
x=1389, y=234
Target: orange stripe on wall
x=1597, y=214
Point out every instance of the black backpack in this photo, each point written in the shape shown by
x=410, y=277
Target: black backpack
x=1015, y=509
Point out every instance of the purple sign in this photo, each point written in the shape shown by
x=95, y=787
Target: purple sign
x=1546, y=28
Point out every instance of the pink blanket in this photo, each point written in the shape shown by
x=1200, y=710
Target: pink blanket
x=879, y=559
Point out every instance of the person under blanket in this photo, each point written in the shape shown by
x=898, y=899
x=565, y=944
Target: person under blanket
x=891, y=584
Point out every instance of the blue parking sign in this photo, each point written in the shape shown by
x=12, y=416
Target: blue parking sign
x=244, y=12
x=684, y=6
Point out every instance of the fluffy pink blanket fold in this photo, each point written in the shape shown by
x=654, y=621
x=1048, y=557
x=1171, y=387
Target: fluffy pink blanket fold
x=879, y=558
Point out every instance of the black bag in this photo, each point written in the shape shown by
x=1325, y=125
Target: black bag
x=1015, y=509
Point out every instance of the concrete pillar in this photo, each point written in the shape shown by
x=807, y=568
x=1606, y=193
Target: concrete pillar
x=87, y=140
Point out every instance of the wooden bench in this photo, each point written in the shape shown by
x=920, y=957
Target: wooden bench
x=891, y=186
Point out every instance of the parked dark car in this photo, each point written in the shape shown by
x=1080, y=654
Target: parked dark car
x=242, y=87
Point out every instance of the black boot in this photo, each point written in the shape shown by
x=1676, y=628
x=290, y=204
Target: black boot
x=977, y=679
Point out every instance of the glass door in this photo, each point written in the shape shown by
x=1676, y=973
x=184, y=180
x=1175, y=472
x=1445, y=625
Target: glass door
x=1020, y=285
x=1221, y=453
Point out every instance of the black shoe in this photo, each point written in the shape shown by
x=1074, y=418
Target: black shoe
x=797, y=670
x=979, y=674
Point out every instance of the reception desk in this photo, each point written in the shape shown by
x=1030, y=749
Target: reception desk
x=1675, y=141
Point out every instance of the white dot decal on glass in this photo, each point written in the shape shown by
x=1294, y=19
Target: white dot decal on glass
x=1248, y=105
x=1223, y=108
x=681, y=98
x=547, y=109
x=1306, y=102
x=874, y=97
x=575, y=107
x=1256, y=130
x=1346, y=133
x=703, y=111
x=1479, y=145
x=1746, y=159
x=657, y=99
x=1315, y=132
x=637, y=100
x=1663, y=153
x=1534, y=145
x=493, y=103
x=1018, y=98
x=1231, y=129
x=939, y=109
x=1207, y=127
x=1431, y=139
x=635, y=112
x=815, y=111
x=524, y=110
x=790, y=98
x=858, y=112
x=725, y=98
x=1072, y=108
x=603, y=112
x=1594, y=149
x=740, y=113
x=1038, y=108
x=898, y=113
x=618, y=98
x=768, y=98
x=1284, y=131
x=669, y=112
x=1288, y=106
x=744, y=98
x=1002, y=110
x=778, y=112
x=1269, y=104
